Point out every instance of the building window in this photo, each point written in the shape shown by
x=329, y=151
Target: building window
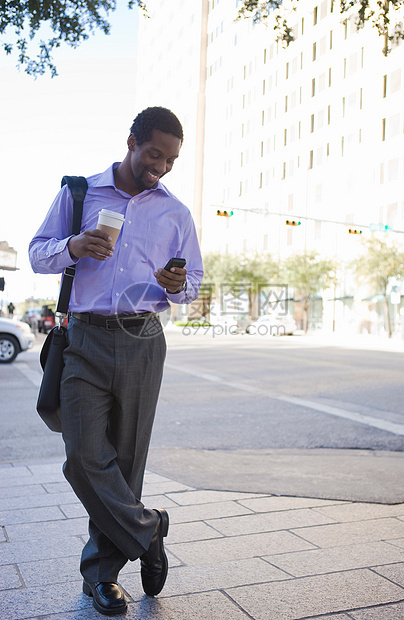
x=362, y=57
x=302, y=25
x=314, y=51
x=241, y=160
x=384, y=86
x=360, y=99
x=284, y=170
x=287, y=71
x=311, y=160
x=329, y=115
x=301, y=60
x=286, y=103
x=263, y=87
x=345, y=23
x=265, y=56
x=329, y=76
x=343, y=106
x=383, y=129
x=330, y=39
x=260, y=185
x=328, y=149
x=312, y=123
x=344, y=67
x=315, y=16
x=342, y=146
x=285, y=137
x=262, y=117
x=313, y=87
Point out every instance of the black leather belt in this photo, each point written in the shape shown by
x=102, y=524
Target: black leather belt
x=117, y=321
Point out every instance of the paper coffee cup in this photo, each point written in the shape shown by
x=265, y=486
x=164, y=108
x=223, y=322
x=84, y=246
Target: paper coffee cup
x=111, y=223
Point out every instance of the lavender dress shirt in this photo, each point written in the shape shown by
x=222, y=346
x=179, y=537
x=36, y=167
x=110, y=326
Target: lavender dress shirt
x=157, y=227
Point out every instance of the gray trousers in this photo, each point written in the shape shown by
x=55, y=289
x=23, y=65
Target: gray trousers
x=109, y=392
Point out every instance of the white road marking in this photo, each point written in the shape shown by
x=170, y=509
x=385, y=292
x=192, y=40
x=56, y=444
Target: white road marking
x=384, y=425
x=32, y=375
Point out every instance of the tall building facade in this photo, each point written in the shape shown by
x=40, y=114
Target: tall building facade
x=310, y=133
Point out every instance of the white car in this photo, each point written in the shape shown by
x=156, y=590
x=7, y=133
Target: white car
x=272, y=325
x=15, y=336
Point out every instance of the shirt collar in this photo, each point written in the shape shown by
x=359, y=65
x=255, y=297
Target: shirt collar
x=106, y=179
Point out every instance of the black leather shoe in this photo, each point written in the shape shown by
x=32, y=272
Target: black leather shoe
x=108, y=597
x=154, y=563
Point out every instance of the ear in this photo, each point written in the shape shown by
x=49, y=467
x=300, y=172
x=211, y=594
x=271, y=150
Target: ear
x=131, y=142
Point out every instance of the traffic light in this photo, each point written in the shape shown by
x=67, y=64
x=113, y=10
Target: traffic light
x=224, y=213
x=354, y=231
x=292, y=223
x=2, y=283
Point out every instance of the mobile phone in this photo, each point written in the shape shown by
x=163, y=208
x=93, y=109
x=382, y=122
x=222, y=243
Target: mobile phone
x=175, y=262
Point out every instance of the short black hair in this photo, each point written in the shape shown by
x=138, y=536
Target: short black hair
x=155, y=118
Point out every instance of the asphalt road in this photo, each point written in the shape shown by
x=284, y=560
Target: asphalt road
x=228, y=398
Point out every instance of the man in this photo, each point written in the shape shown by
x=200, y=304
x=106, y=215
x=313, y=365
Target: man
x=114, y=361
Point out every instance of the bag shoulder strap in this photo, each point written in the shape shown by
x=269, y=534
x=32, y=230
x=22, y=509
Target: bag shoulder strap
x=78, y=188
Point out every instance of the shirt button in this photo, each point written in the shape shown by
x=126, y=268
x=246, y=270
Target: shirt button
x=121, y=269
x=117, y=294
x=129, y=221
x=125, y=245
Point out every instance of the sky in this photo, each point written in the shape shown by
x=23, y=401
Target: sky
x=74, y=124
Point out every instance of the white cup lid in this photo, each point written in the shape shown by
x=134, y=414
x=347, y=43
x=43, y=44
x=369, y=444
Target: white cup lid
x=114, y=214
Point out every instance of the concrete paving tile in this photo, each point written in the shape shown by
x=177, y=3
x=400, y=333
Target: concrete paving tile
x=11, y=475
x=361, y=512
x=237, y=548
x=394, y=611
x=89, y=613
x=335, y=559
x=151, y=478
x=186, y=579
x=30, y=515
x=47, y=572
x=394, y=572
x=38, y=500
x=311, y=596
x=29, y=478
x=192, y=606
x=25, y=551
x=163, y=488
x=397, y=542
x=40, y=469
x=35, y=602
x=72, y=511
x=268, y=522
x=206, y=497
x=340, y=534
x=185, y=532
x=57, y=487
x=52, y=530
x=9, y=577
x=273, y=503
x=201, y=512
x=159, y=501
x=25, y=490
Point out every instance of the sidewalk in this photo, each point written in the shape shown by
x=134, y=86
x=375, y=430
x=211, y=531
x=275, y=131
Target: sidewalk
x=232, y=555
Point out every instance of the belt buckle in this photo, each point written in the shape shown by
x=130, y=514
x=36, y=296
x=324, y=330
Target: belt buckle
x=111, y=324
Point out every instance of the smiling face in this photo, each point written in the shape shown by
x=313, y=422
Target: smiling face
x=151, y=160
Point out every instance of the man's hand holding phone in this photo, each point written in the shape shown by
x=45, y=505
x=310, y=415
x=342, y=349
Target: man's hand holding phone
x=173, y=276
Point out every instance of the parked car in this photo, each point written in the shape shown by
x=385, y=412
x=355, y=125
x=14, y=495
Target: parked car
x=32, y=316
x=47, y=321
x=15, y=336
x=272, y=325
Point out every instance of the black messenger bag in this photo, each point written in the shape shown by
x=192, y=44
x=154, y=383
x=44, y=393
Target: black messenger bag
x=51, y=357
